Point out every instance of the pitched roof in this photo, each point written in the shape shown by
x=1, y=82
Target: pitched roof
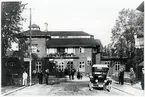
x=34, y=26
x=34, y=33
x=68, y=33
x=55, y=33
x=87, y=42
x=141, y=7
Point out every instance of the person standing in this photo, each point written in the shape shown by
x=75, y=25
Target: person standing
x=91, y=82
x=142, y=79
x=73, y=73
x=40, y=77
x=78, y=74
x=122, y=76
x=119, y=76
x=69, y=72
x=132, y=76
x=25, y=76
x=46, y=76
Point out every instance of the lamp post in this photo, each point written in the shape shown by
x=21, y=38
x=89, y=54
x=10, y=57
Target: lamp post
x=30, y=65
x=121, y=51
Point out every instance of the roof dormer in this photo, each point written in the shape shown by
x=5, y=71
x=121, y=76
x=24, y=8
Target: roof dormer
x=34, y=27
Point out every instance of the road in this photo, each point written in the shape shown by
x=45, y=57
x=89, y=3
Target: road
x=69, y=88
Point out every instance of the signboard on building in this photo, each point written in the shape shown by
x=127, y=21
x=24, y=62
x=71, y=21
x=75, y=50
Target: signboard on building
x=26, y=59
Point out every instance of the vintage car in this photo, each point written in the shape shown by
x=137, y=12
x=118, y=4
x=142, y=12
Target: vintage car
x=99, y=78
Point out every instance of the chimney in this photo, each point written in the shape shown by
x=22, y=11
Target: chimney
x=46, y=26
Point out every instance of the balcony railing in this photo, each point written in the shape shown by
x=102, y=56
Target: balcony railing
x=61, y=55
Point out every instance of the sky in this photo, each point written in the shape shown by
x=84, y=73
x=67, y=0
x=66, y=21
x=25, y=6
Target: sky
x=96, y=17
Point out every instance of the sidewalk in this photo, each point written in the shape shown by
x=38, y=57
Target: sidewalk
x=134, y=90
x=9, y=89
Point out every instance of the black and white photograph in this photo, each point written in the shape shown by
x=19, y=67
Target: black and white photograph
x=72, y=48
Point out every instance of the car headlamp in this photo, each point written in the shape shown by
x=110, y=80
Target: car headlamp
x=105, y=81
x=91, y=76
x=96, y=80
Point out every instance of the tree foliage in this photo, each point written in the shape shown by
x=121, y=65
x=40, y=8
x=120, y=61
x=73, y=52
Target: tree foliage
x=129, y=23
x=11, y=21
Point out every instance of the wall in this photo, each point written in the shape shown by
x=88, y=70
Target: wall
x=41, y=46
x=98, y=58
x=83, y=57
x=114, y=66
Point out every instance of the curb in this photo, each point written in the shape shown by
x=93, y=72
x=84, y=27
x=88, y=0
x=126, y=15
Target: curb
x=122, y=90
x=14, y=90
x=4, y=94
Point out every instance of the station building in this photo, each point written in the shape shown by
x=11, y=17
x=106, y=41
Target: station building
x=58, y=49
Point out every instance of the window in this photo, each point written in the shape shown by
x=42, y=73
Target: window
x=38, y=66
x=51, y=51
x=82, y=50
x=63, y=36
x=117, y=67
x=71, y=62
x=89, y=62
x=69, y=50
x=82, y=66
x=60, y=50
x=54, y=36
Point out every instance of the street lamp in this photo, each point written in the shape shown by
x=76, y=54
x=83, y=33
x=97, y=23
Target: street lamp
x=30, y=65
x=121, y=51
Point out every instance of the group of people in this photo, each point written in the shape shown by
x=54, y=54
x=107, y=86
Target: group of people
x=45, y=74
x=60, y=72
x=121, y=76
x=40, y=77
x=10, y=78
x=71, y=72
x=131, y=75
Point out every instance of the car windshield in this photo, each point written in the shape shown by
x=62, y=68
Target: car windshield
x=99, y=70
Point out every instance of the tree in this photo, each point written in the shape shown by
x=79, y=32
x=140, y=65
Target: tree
x=107, y=50
x=129, y=23
x=11, y=21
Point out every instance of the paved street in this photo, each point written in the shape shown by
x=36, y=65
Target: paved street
x=76, y=87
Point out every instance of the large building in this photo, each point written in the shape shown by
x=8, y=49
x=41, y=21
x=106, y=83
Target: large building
x=62, y=48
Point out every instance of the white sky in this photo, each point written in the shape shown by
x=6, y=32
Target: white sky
x=96, y=17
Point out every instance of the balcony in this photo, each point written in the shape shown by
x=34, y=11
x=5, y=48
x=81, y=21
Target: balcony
x=61, y=55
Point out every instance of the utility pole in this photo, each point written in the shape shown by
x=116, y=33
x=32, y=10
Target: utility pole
x=30, y=65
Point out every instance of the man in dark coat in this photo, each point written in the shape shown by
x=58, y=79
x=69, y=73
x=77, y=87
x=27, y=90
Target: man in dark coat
x=73, y=73
x=46, y=76
x=142, y=79
x=78, y=74
x=119, y=77
x=40, y=77
x=69, y=72
x=122, y=76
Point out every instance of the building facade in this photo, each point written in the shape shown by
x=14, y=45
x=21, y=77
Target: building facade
x=115, y=63
x=58, y=49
